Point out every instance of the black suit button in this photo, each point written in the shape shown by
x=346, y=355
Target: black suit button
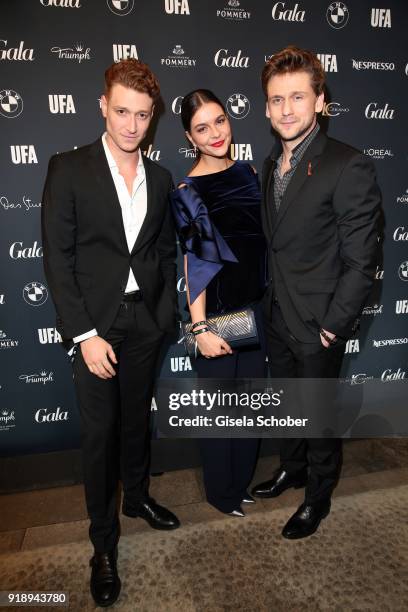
x=122, y=287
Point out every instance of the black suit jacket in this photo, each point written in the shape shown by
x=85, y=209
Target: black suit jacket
x=322, y=244
x=86, y=257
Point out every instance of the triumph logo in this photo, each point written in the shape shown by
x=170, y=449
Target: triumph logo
x=403, y=271
x=361, y=65
x=35, y=294
x=6, y=342
x=280, y=14
x=388, y=375
x=176, y=105
x=378, y=153
x=7, y=420
x=242, y=152
x=401, y=307
x=49, y=335
x=372, y=112
x=380, y=18
x=18, y=252
x=23, y=154
x=178, y=59
x=78, y=52
x=42, y=378
x=333, y=109
x=15, y=53
x=26, y=204
x=121, y=7
x=43, y=416
x=238, y=106
x=233, y=12
x=373, y=310
x=11, y=103
x=188, y=153
x=337, y=15
x=61, y=103
x=121, y=52
x=176, y=7
x=223, y=60
x=328, y=61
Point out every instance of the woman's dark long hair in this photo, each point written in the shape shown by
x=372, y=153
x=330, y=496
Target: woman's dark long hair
x=190, y=105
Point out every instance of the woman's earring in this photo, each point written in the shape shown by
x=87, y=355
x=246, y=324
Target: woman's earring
x=195, y=150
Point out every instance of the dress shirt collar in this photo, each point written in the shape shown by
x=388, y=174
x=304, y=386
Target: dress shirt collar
x=300, y=148
x=111, y=161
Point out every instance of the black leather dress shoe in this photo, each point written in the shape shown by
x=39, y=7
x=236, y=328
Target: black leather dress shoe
x=281, y=481
x=157, y=516
x=105, y=582
x=306, y=520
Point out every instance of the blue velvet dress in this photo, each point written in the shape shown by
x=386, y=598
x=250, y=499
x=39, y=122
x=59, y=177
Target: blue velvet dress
x=219, y=225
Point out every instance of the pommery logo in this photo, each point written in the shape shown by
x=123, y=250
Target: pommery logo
x=233, y=12
x=178, y=59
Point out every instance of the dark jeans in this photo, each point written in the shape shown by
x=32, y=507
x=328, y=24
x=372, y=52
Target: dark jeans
x=115, y=416
x=229, y=463
x=290, y=358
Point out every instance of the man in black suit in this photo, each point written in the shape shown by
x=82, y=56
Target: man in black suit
x=320, y=212
x=109, y=257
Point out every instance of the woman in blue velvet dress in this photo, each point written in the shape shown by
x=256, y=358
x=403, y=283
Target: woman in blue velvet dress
x=217, y=213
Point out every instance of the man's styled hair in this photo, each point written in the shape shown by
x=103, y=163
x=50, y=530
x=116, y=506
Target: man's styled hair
x=133, y=74
x=294, y=59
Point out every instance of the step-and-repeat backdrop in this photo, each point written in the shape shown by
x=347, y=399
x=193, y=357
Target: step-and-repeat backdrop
x=53, y=54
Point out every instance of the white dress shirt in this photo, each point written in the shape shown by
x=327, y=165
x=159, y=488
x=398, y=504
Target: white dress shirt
x=134, y=207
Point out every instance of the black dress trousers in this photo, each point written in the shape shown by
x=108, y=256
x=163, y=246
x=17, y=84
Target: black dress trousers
x=290, y=358
x=115, y=419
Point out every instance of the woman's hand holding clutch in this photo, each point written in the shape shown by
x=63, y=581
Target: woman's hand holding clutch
x=211, y=345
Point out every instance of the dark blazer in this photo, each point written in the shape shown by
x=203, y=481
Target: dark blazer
x=86, y=257
x=322, y=244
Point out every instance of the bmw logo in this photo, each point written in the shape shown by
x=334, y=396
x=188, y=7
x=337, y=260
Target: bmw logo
x=238, y=106
x=35, y=294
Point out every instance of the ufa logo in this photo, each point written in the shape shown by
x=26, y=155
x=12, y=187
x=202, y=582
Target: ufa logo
x=380, y=18
x=35, y=294
x=337, y=15
x=241, y=151
x=121, y=7
x=23, y=154
x=11, y=103
x=329, y=62
x=176, y=7
x=61, y=103
x=238, y=106
x=121, y=52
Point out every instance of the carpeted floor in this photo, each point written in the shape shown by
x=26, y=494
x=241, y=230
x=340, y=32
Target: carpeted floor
x=357, y=561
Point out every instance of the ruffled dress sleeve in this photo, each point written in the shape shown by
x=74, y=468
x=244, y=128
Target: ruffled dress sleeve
x=200, y=240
